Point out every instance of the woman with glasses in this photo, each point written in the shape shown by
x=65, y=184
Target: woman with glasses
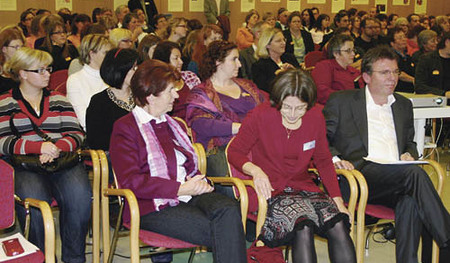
x=34, y=111
x=115, y=101
x=25, y=22
x=177, y=29
x=121, y=38
x=298, y=41
x=272, y=58
x=11, y=39
x=82, y=85
x=216, y=108
x=284, y=137
x=336, y=74
x=55, y=43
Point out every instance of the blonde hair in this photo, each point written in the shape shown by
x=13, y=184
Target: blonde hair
x=118, y=34
x=26, y=58
x=94, y=43
x=265, y=39
x=173, y=22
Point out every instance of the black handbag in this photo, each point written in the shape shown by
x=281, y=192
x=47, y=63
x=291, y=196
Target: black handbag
x=32, y=163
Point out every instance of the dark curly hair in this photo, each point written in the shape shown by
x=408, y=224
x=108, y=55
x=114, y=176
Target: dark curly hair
x=217, y=52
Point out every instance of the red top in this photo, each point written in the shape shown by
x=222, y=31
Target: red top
x=285, y=160
x=330, y=77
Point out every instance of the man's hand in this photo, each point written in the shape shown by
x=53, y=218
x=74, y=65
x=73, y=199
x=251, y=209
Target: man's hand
x=343, y=164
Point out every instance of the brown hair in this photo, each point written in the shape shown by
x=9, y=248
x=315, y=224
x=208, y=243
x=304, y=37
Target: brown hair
x=6, y=36
x=200, y=48
x=217, y=52
x=151, y=78
x=293, y=82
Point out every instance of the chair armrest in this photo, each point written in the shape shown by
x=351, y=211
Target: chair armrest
x=201, y=156
x=135, y=218
x=439, y=173
x=49, y=226
x=353, y=194
x=262, y=211
x=243, y=196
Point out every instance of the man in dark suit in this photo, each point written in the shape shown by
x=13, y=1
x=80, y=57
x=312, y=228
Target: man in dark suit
x=374, y=122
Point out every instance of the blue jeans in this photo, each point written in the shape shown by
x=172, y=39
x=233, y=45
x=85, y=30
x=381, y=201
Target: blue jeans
x=72, y=191
x=212, y=220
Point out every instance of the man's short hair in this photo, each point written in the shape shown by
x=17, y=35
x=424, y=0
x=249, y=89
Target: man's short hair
x=364, y=21
x=409, y=17
x=375, y=54
x=339, y=16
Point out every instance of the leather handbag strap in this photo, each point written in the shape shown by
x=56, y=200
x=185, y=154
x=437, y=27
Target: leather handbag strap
x=16, y=132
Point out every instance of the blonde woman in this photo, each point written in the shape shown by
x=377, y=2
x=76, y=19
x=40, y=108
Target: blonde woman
x=121, y=38
x=53, y=115
x=82, y=85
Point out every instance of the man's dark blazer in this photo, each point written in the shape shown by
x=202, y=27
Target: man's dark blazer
x=347, y=129
x=247, y=58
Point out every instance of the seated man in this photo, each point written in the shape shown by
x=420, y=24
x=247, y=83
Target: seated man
x=374, y=122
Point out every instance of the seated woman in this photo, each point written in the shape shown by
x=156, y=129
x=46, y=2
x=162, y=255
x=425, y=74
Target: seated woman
x=169, y=52
x=82, y=85
x=121, y=38
x=281, y=155
x=162, y=171
x=298, y=40
x=177, y=29
x=79, y=22
x=217, y=107
x=272, y=58
x=207, y=35
x=113, y=102
x=55, y=43
x=52, y=115
x=11, y=39
x=336, y=74
x=244, y=35
x=320, y=29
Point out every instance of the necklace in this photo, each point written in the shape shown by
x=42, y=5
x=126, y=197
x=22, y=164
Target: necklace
x=128, y=106
x=289, y=132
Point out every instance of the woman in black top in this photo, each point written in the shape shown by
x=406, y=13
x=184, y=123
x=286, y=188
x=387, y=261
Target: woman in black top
x=11, y=39
x=55, y=43
x=272, y=58
x=114, y=102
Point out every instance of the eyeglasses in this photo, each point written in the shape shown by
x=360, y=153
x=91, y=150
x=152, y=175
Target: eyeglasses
x=16, y=47
x=40, y=71
x=126, y=40
x=59, y=33
x=350, y=50
x=182, y=26
x=386, y=73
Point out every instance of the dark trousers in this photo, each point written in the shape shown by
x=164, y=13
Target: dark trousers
x=211, y=220
x=408, y=190
x=72, y=191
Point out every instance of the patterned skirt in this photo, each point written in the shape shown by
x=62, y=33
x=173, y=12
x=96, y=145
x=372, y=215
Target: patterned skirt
x=293, y=210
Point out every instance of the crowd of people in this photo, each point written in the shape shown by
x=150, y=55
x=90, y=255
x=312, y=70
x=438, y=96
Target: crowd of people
x=131, y=70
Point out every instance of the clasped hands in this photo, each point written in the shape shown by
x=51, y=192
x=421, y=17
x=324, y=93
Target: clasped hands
x=49, y=152
x=195, y=185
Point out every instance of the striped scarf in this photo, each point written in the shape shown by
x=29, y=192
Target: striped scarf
x=156, y=159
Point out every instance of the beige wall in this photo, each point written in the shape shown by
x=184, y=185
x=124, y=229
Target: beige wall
x=434, y=7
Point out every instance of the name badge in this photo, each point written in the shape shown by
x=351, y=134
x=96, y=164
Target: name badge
x=309, y=145
x=435, y=72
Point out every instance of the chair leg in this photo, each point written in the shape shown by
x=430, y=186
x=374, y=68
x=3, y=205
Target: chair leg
x=368, y=237
x=286, y=254
x=192, y=255
x=116, y=234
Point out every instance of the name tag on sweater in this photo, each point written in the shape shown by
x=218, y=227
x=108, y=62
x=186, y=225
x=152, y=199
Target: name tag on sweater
x=309, y=145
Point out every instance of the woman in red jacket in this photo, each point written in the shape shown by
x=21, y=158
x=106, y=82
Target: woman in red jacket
x=281, y=153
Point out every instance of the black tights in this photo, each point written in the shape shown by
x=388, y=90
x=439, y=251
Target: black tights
x=340, y=245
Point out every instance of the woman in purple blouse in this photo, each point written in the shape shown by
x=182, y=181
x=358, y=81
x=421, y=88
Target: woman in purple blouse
x=216, y=107
x=174, y=198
